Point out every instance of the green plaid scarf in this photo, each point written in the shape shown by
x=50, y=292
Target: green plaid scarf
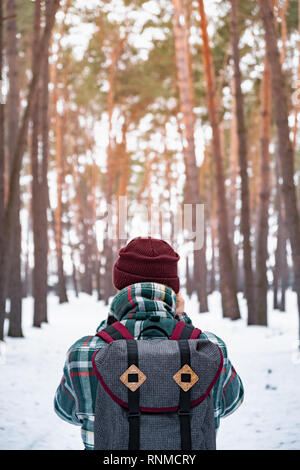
x=144, y=304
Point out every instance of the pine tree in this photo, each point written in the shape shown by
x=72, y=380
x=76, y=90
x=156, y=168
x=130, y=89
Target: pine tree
x=285, y=146
x=243, y=161
x=227, y=275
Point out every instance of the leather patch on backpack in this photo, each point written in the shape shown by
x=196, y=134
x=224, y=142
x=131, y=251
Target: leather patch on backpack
x=133, y=378
x=186, y=378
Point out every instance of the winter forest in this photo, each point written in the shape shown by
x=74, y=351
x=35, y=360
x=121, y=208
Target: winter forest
x=157, y=105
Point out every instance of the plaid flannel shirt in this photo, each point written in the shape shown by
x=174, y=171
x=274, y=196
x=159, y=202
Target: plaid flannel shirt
x=76, y=395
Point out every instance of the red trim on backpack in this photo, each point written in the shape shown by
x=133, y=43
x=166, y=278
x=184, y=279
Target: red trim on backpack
x=119, y=327
x=157, y=410
x=177, y=330
x=195, y=333
x=123, y=330
x=107, y=338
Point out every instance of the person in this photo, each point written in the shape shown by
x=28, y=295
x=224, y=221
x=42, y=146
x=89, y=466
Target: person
x=145, y=275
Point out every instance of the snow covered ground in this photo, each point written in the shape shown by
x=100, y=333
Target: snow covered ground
x=265, y=358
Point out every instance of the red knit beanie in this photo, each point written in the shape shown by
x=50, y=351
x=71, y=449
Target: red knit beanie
x=146, y=260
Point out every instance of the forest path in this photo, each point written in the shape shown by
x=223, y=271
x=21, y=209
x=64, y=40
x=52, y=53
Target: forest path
x=31, y=370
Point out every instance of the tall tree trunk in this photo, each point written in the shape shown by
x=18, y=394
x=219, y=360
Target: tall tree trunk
x=2, y=180
x=110, y=171
x=285, y=146
x=280, y=268
x=61, y=286
x=263, y=215
x=36, y=197
x=283, y=11
x=185, y=86
x=15, y=282
x=233, y=169
x=213, y=225
x=297, y=102
x=227, y=275
x=243, y=160
x=17, y=163
x=58, y=213
x=27, y=287
x=284, y=270
x=44, y=192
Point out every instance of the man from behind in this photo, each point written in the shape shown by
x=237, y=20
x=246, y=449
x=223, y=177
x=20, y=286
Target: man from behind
x=149, y=305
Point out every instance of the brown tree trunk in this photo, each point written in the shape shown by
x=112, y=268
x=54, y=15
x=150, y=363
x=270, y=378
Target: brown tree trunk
x=233, y=169
x=27, y=287
x=36, y=201
x=283, y=11
x=2, y=180
x=263, y=215
x=61, y=286
x=14, y=282
x=213, y=225
x=44, y=192
x=108, y=242
x=185, y=86
x=297, y=102
x=285, y=146
x=227, y=275
x=124, y=176
x=58, y=213
x=280, y=268
x=184, y=81
x=243, y=160
x=17, y=162
x=40, y=180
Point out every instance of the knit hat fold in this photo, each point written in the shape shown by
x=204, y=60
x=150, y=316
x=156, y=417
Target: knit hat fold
x=146, y=259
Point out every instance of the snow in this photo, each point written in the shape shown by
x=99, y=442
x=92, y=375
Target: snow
x=265, y=358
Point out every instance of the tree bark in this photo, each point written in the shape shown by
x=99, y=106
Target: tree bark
x=263, y=214
x=17, y=163
x=110, y=171
x=297, y=103
x=233, y=170
x=61, y=286
x=243, y=160
x=227, y=276
x=2, y=180
x=185, y=86
x=14, y=282
x=280, y=268
x=44, y=190
x=36, y=197
x=285, y=146
x=58, y=213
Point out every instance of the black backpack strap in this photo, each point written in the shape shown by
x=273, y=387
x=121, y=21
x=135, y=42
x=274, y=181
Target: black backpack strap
x=133, y=400
x=185, y=400
x=114, y=332
x=184, y=331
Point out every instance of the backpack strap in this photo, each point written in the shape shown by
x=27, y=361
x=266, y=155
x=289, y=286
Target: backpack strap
x=133, y=400
x=184, y=331
x=185, y=400
x=114, y=332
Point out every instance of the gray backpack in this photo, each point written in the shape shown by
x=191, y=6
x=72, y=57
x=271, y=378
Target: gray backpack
x=155, y=394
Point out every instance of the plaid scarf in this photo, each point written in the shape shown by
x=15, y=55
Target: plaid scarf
x=143, y=304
